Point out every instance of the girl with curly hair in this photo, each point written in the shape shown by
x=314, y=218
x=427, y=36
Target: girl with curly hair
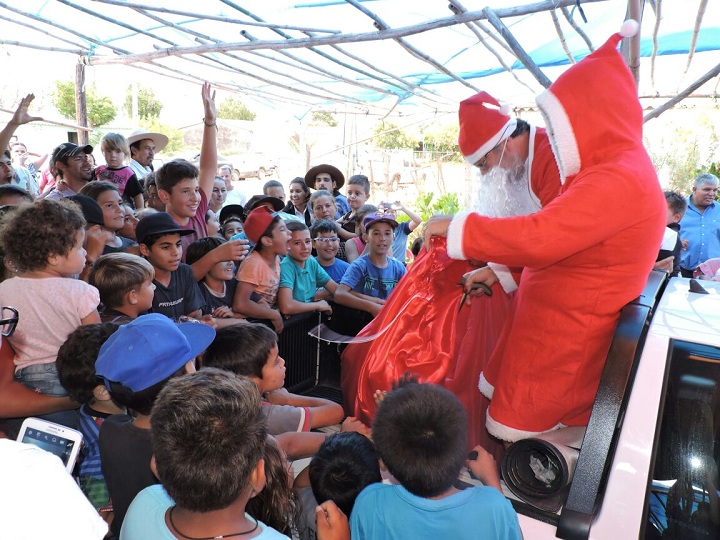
x=43, y=244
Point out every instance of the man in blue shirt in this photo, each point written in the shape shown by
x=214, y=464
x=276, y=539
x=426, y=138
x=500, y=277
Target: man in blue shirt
x=700, y=226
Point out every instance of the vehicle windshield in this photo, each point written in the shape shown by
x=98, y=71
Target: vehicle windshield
x=683, y=501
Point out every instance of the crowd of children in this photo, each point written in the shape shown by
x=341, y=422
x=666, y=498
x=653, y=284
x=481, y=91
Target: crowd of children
x=165, y=334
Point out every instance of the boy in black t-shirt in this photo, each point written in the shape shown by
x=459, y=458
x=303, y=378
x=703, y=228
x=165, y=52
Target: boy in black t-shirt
x=176, y=292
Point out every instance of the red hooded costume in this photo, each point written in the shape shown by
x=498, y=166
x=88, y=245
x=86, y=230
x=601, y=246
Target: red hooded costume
x=586, y=254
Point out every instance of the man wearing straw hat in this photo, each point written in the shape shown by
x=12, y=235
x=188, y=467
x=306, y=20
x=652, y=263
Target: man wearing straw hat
x=143, y=146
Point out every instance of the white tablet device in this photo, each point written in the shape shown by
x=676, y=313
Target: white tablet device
x=62, y=441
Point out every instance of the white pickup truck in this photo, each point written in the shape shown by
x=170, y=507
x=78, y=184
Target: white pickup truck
x=647, y=467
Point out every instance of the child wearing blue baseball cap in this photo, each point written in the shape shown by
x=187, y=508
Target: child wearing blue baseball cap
x=135, y=363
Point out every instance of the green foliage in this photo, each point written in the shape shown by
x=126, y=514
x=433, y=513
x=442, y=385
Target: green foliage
x=100, y=109
x=712, y=168
x=443, y=140
x=176, y=142
x=446, y=204
x=148, y=106
x=234, y=109
x=678, y=154
x=323, y=119
x=391, y=137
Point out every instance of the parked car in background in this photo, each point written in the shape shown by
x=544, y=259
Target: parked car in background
x=255, y=165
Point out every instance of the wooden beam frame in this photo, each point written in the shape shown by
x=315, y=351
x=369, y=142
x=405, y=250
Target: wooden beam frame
x=657, y=111
x=524, y=57
x=298, y=43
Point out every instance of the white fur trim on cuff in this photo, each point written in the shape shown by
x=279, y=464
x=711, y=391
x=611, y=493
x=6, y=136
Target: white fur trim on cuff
x=564, y=144
x=506, y=433
x=507, y=281
x=486, y=389
x=455, y=236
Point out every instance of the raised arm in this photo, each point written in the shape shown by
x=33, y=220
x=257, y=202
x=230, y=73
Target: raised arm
x=232, y=250
x=20, y=117
x=208, y=150
x=415, y=220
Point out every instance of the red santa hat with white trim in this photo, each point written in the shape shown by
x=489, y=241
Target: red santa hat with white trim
x=484, y=124
x=599, y=83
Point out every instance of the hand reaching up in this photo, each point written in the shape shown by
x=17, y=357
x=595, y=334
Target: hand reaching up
x=21, y=115
x=208, y=97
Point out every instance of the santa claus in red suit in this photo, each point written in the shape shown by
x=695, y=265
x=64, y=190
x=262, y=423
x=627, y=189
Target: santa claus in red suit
x=421, y=330
x=585, y=255
x=518, y=176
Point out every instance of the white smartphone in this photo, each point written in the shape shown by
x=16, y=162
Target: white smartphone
x=62, y=441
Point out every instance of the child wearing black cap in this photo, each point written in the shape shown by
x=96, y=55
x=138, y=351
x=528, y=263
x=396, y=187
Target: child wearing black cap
x=95, y=233
x=176, y=292
x=135, y=363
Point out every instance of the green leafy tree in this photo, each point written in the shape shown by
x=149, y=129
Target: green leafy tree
x=391, y=137
x=176, y=138
x=681, y=153
x=234, y=109
x=148, y=106
x=100, y=109
x=442, y=140
x=323, y=119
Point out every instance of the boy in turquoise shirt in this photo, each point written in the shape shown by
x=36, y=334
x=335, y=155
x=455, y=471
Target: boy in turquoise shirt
x=301, y=275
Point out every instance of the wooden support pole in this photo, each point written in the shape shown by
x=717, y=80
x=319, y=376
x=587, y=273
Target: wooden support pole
x=80, y=103
x=577, y=29
x=204, y=38
x=658, y=17
x=524, y=57
x=324, y=72
x=53, y=122
x=15, y=20
x=383, y=27
x=696, y=29
x=561, y=36
x=475, y=27
x=630, y=48
x=40, y=47
x=317, y=51
x=657, y=111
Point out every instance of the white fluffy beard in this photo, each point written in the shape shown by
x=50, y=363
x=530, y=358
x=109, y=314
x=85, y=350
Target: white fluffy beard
x=503, y=193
